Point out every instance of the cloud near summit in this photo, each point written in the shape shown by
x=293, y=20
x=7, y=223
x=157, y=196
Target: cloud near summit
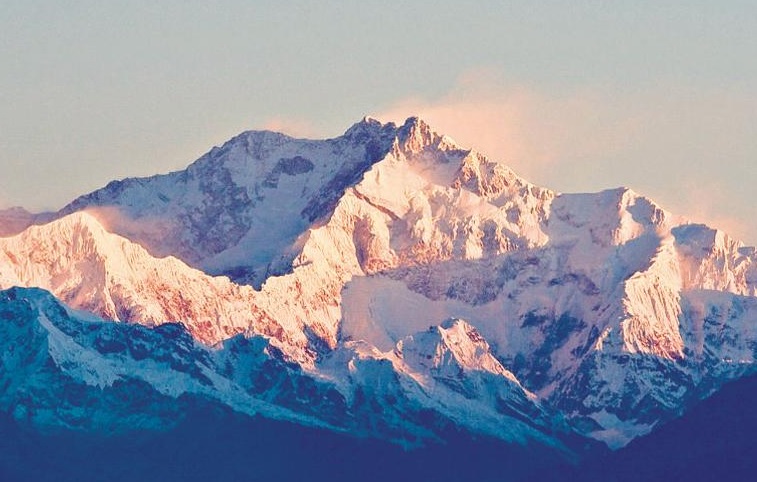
x=527, y=129
x=660, y=139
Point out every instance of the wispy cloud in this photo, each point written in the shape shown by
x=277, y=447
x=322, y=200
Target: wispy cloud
x=692, y=150
x=523, y=127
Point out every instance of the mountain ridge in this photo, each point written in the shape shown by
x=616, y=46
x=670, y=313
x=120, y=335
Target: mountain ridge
x=600, y=313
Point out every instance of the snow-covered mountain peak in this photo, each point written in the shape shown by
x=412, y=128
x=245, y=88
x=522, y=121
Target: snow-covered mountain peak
x=494, y=181
x=416, y=136
x=370, y=129
x=48, y=246
x=450, y=347
x=704, y=238
x=245, y=148
x=238, y=208
x=367, y=123
x=80, y=220
x=609, y=218
x=711, y=259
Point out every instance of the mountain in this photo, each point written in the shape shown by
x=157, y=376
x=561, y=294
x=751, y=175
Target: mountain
x=236, y=210
x=14, y=220
x=392, y=284
x=68, y=372
x=713, y=440
x=69, y=369
x=52, y=352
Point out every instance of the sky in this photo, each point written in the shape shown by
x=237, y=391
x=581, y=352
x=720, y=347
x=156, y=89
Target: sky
x=577, y=96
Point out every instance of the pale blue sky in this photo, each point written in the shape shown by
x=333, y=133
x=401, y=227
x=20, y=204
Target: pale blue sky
x=660, y=96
